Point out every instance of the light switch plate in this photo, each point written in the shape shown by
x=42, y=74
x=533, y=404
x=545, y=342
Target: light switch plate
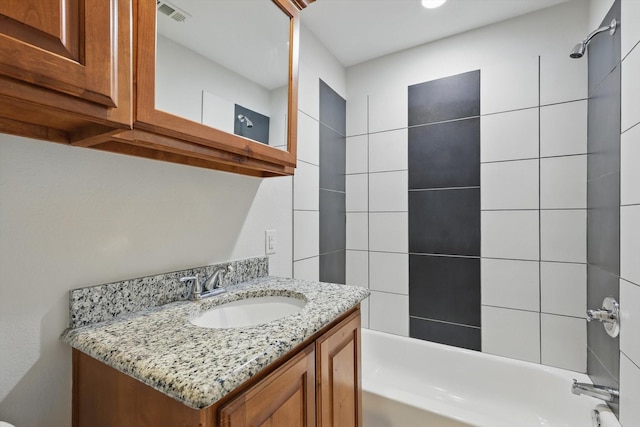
x=270, y=242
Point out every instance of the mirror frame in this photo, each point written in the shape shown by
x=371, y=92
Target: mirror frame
x=194, y=139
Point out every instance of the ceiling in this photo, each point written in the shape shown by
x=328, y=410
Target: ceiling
x=358, y=30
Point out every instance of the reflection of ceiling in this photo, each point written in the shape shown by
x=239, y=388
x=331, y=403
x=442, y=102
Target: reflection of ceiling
x=249, y=37
x=358, y=30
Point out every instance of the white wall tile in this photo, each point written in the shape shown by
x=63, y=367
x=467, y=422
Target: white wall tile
x=356, y=152
x=509, y=136
x=357, y=268
x=309, y=91
x=563, y=129
x=357, y=231
x=563, y=182
x=357, y=114
x=307, y=269
x=631, y=90
x=511, y=333
x=388, y=109
x=563, y=288
x=510, y=234
x=389, y=313
x=511, y=284
x=389, y=191
x=306, y=234
x=630, y=29
x=510, y=85
x=357, y=191
x=629, y=393
x=388, y=151
x=509, y=185
x=364, y=313
x=629, y=170
x=562, y=78
x=630, y=320
x=630, y=243
x=564, y=342
x=563, y=235
x=389, y=272
x=308, y=139
x=389, y=232
x=306, y=187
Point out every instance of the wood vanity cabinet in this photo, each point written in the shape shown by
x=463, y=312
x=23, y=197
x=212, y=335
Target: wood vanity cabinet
x=316, y=384
x=65, y=68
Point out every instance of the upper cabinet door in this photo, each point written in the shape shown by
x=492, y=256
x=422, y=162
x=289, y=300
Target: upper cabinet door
x=68, y=46
x=218, y=80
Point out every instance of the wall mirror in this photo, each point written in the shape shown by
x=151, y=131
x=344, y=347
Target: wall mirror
x=221, y=74
x=225, y=63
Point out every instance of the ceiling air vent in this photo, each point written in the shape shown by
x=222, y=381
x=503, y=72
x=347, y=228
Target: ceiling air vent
x=171, y=11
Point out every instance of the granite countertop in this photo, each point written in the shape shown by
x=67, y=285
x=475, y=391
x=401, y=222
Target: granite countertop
x=198, y=366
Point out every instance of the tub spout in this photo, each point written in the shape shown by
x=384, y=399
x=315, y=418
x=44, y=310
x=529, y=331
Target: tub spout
x=607, y=394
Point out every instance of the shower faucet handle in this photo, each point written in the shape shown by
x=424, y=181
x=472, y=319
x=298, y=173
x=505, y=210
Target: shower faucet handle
x=609, y=315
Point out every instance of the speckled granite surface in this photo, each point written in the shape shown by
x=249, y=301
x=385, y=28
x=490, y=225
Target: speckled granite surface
x=103, y=302
x=199, y=366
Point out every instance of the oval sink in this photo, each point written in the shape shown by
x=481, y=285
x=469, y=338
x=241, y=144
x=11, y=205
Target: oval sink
x=248, y=312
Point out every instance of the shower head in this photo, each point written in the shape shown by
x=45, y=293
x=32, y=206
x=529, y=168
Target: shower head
x=244, y=119
x=579, y=49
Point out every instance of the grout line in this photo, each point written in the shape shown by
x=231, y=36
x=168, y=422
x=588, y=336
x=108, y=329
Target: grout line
x=515, y=109
x=306, y=258
x=445, y=322
x=630, y=282
x=511, y=308
x=630, y=359
x=551, y=104
x=539, y=210
x=333, y=191
x=308, y=163
x=445, y=255
x=416, y=190
x=606, y=369
x=388, y=171
x=629, y=128
x=541, y=157
x=368, y=220
x=459, y=119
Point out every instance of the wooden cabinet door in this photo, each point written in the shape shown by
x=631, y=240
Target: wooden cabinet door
x=339, y=393
x=69, y=46
x=285, y=398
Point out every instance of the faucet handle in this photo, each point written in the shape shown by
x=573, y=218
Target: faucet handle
x=196, y=289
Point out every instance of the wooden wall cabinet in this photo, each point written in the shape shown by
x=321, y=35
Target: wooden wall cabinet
x=82, y=72
x=317, y=384
x=65, y=68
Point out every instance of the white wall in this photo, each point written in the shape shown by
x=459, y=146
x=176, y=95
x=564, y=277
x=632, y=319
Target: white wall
x=511, y=79
x=630, y=217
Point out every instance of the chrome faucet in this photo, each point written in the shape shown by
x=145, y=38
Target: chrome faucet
x=607, y=394
x=211, y=285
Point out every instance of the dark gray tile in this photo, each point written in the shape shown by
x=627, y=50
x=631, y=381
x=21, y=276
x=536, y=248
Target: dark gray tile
x=333, y=234
x=603, y=222
x=445, y=155
x=604, y=128
x=443, y=333
x=333, y=154
x=259, y=130
x=445, y=288
x=603, y=53
x=445, y=222
x=599, y=375
x=443, y=99
x=333, y=109
x=332, y=267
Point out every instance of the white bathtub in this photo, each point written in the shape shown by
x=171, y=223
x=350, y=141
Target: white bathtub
x=413, y=383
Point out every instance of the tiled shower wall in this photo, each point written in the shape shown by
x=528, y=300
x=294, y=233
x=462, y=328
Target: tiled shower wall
x=533, y=182
x=603, y=189
x=533, y=217
x=630, y=216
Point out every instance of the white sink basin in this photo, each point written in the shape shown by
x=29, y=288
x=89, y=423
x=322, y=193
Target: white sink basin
x=248, y=312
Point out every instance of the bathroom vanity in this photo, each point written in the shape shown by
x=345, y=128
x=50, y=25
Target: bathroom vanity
x=156, y=368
